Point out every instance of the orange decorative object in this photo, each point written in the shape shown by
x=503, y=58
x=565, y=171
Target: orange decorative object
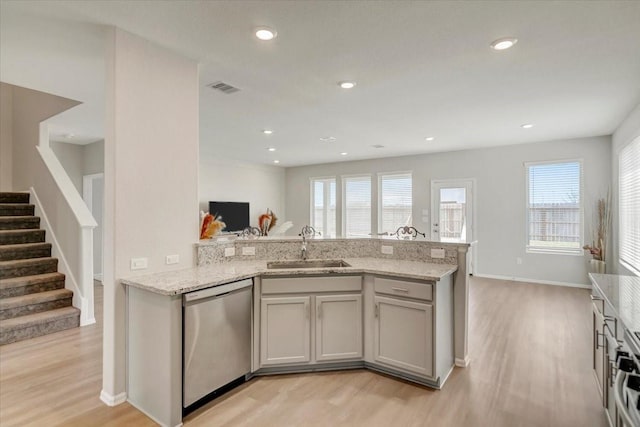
x=210, y=226
x=266, y=222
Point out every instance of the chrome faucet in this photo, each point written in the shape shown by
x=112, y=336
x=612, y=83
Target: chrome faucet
x=306, y=231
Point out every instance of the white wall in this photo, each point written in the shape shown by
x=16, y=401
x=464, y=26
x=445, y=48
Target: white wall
x=151, y=177
x=626, y=132
x=71, y=158
x=500, y=198
x=6, y=137
x=231, y=181
x=93, y=158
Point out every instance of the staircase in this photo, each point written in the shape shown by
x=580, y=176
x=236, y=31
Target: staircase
x=33, y=300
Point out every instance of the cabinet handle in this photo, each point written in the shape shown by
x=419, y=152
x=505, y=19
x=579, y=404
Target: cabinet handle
x=598, y=335
x=595, y=298
x=406, y=291
x=376, y=311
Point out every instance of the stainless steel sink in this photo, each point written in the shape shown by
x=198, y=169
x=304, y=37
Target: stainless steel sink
x=319, y=263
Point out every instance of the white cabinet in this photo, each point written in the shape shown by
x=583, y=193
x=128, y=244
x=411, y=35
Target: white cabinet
x=310, y=320
x=338, y=327
x=285, y=326
x=403, y=335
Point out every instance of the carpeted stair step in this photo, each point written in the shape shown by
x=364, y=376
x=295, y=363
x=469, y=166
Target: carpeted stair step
x=31, y=284
x=10, y=197
x=34, y=325
x=16, y=209
x=34, y=303
x=27, y=267
x=13, y=237
x=24, y=251
x=19, y=222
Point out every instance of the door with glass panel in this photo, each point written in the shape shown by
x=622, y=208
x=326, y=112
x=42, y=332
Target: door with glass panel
x=452, y=210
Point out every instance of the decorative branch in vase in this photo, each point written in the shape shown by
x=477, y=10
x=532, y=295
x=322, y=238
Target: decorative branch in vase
x=601, y=226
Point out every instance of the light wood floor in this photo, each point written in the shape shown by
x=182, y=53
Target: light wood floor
x=530, y=366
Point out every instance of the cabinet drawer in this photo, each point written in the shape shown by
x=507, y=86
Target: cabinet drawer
x=423, y=291
x=293, y=285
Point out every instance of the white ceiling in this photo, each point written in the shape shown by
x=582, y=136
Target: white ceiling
x=422, y=69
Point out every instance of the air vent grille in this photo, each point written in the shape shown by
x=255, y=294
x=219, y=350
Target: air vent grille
x=223, y=87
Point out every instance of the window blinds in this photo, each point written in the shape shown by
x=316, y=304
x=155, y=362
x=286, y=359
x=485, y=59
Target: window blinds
x=323, y=214
x=357, y=206
x=629, y=205
x=554, y=206
x=396, y=202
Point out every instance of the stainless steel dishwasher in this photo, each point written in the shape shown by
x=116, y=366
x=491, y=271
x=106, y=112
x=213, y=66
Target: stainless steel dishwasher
x=217, y=338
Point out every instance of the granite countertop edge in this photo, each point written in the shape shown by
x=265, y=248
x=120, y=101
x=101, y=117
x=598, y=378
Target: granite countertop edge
x=178, y=282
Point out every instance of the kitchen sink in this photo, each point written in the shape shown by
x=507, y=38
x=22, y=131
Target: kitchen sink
x=320, y=263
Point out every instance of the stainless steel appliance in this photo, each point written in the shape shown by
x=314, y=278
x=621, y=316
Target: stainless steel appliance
x=217, y=338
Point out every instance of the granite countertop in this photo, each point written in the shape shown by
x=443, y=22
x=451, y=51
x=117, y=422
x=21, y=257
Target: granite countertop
x=622, y=294
x=192, y=279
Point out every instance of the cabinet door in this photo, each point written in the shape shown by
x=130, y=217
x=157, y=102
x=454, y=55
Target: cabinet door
x=598, y=350
x=403, y=335
x=338, y=327
x=285, y=330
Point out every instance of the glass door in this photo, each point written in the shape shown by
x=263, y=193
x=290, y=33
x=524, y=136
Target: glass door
x=452, y=211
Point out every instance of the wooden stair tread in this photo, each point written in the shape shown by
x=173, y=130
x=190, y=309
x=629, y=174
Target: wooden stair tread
x=38, y=318
x=14, y=197
x=31, y=280
x=17, y=246
x=35, y=298
x=27, y=262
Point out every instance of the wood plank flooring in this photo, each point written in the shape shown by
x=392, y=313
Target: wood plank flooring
x=530, y=348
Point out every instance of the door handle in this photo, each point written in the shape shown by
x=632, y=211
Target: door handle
x=376, y=311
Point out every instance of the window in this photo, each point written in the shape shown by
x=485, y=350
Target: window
x=356, y=206
x=629, y=207
x=554, y=207
x=395, y=202
x=323, y=212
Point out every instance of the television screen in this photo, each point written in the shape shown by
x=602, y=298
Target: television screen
x=234, y=214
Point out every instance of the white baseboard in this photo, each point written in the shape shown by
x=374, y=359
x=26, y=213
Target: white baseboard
x=111, y=400
x=536, y=281
x=462, y=363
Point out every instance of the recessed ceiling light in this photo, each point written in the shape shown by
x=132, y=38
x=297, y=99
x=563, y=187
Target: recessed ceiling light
x=504, y=43
x=377, y=146
x=267, y=132
x=526, y=126
x=266, y=33
x=271, y=149
x=276, y=161
x=327, y=138
x=430, y=138
x=70, y=136
x=344, y=153
x=347, y=85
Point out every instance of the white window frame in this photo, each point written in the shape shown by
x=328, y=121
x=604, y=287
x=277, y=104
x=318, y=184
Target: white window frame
x=554, y=251
x=344, y=179
x=312, y=209
x=382, y=175
x=635, y=269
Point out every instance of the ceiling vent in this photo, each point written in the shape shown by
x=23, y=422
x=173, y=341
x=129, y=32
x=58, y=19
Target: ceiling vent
x=223, y=87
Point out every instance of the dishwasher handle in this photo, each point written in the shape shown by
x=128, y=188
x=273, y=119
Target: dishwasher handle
x=215, y=291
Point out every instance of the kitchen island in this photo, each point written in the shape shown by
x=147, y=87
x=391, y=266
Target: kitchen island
x=366, y=306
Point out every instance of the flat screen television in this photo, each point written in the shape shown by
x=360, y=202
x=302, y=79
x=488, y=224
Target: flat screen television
x=234, y=214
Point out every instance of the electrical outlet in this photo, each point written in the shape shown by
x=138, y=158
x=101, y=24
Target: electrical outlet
x=229, y=251
x=437, y=253
x=388, y=250
x=519, y=261
x=139, y=263
x=172, y=259
x=249, y=250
